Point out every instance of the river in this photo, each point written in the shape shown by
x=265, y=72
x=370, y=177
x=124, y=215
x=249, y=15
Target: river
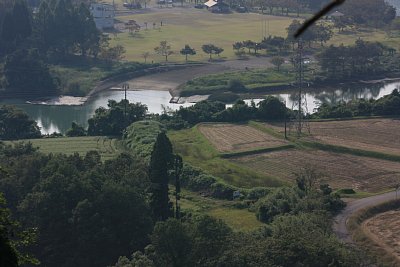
x=58, y=118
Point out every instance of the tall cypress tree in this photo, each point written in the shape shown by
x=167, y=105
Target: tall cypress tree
x=160, y=162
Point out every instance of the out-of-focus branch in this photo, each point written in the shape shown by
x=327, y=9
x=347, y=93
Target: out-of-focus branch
x=317, y=16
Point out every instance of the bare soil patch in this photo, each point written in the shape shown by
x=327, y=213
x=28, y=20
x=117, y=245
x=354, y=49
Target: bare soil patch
x=338, y=170
x=384, y=229
x=234, y=138
x=380, y=135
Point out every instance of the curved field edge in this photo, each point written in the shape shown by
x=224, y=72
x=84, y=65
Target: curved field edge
x=363, y=240
x=108, y=148
x=198, y=151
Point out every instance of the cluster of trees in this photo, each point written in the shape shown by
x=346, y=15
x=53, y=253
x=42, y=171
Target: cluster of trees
x=374, y=13
x=362, y=58
x=283, y=7
x=164, y=49
x=388, y=105
x=29, y=41
x=76, y=202
x=212, y=111
x=16, y=124
x=116, y=118
x=58, y=27
x=298, y=233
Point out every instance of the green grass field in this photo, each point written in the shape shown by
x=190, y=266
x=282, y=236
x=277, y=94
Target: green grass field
x=197, y=27
x=237, y=219
x=107, y=147
x=195, y=149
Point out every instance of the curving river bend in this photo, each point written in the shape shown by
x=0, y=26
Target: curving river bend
x=58, y=118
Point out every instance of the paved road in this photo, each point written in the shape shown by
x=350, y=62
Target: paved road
x=340, y=222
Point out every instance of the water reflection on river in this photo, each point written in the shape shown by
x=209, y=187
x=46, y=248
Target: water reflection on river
x=58, y=118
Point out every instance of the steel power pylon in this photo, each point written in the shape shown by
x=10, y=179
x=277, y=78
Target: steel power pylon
x=299, y=122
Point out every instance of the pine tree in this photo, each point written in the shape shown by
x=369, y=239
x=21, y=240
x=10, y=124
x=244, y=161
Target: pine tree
x=160, y=163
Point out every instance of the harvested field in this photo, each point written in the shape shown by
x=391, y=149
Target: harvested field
x=338, y=170
x=379, y=135
x=107, y=147
x=384, y=229
x=234, y=138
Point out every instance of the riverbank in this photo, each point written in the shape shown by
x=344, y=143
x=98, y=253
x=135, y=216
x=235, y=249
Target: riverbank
x=172, y=77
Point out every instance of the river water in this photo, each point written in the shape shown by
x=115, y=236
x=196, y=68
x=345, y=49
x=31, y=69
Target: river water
x=59, y=118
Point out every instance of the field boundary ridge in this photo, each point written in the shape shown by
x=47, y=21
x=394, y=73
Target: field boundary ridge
x=351, y=151
x=366, y=242
x=255, y=151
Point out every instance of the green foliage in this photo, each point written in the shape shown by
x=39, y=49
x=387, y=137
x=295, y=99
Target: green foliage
x=369, y=12
x=161, y=161
x=388, y=105
x=251, y=80
x=26, y=75
x=75, y=130
x=224, y=97
x=361, y=59
x=116, y=118
x=271, y=109
x=16, y=124
x=15, y=28
x=141, y=136
x=76, y=203
x=187, y=50
x=13, y=238
x=211, y=49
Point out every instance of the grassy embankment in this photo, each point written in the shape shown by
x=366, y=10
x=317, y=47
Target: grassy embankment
x=107, y=147
x=382, y=256
x=78, y=78
x=196, y=150
x=240, y=219
x=252, y=79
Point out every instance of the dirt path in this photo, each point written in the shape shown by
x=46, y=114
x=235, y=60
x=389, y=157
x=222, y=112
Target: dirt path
x=170, y=80
x=340, y=221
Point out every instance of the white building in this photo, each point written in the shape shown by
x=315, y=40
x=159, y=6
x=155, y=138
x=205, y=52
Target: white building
x=103, y=15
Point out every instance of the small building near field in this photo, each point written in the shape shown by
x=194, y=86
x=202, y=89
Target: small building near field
x=216, y=6
x=103, y=15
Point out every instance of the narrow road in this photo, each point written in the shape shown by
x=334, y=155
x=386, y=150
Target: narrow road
x=340, y=221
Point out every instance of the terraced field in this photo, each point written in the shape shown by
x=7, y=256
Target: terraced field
x=384, y=229
x=107, y=147
x=380, y=135
x=234, y=138
x=338, y=170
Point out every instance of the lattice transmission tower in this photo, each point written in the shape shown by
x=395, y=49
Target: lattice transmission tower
x=299, y=123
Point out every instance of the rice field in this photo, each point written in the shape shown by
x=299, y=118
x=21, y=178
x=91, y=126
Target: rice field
x=234, y=138
x=338, y=170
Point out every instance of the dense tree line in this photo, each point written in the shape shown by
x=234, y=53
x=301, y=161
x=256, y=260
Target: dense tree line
x=87, y=212
x=58, y=31
x=388, y=105
x=211, y=111
x=361, y=59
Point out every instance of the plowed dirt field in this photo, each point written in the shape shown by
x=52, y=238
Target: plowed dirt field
x=338, y=170
x=233, y=138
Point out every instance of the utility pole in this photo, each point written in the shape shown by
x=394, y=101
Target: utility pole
x=285, y=120
x=125, y=86
x=178, y=171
